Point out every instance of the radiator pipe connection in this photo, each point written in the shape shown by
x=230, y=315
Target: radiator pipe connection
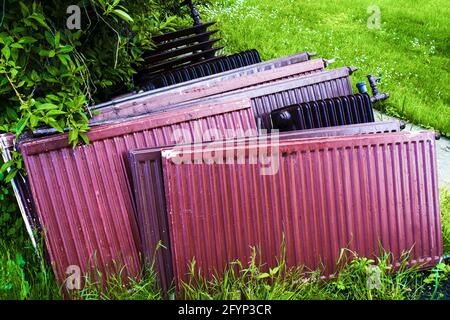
x=376, y=95
x=352, y=70
x=328, y=62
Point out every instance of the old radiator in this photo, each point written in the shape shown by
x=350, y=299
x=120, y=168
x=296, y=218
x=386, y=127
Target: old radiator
x=202, y=69
x=351, y=109
x=83, y=195
x=148, y=185
x=177, y=95
x=324, y=194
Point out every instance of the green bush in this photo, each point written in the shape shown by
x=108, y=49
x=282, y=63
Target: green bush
x=49, y=74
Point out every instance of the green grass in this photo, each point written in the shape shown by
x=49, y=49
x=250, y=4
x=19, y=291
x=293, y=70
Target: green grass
x=411, y=51
x=118, y=288
x=445, y=213
x=24, y=276
x=250, y=282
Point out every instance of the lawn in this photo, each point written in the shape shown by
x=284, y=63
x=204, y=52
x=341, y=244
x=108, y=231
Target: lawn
x=411, y=50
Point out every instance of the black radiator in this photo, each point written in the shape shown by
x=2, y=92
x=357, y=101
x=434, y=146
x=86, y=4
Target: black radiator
x=344, y=110
x=201, y=69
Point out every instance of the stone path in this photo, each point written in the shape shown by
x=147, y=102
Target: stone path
x=442, y=148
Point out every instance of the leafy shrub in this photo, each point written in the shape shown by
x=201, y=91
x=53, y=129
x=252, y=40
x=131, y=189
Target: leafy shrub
x=49, y=74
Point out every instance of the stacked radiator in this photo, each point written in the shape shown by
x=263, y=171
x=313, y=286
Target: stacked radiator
x=188, y=54
x=200, y=70
x=210, y=167
x=339, y=111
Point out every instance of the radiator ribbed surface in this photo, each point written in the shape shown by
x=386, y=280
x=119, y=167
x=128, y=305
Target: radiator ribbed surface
x=322, y=89
x=352, y=109
x=176, y=95
x=203, y=69
x=148, y=187
x=83, y=195
x=330, y=193
x=263, y=66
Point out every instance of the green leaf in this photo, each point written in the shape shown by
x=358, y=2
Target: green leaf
x=11, y=175
x=52, y=97
x=57, y=38
x=55, y=112
x=6, y=166
x=6, y=52
x=14, y=73
x=123, y=15
x=84, y=137
x=27, y=39
x=66, y=49
x=46, y=106
x=34, y=121
x=84, y=116
x=17, y=45
x=12, y=114
x=53, y=123
x=274, y=271
x=64, y=58
x=50, y=38
x=39, y=18
x=34, y=76
x=73, y=135
x=24, y=9
x=44, y=53
x=22, y=124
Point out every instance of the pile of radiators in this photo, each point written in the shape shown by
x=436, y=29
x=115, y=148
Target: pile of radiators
x=188, y=54
x=152, y=174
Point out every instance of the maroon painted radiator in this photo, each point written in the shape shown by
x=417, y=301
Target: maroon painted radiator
x=326, y=194
x=148, y=184
x=83, y=195
x=151, y=101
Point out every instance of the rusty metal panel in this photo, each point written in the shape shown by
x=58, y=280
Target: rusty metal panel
x=162, y=99
x=328, y=193
x=83, y=195
x=148, y=188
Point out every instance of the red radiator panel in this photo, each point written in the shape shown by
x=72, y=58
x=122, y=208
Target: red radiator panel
x=148, y=183
x=83, y=195
x=143, y=103
x=328, y=194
